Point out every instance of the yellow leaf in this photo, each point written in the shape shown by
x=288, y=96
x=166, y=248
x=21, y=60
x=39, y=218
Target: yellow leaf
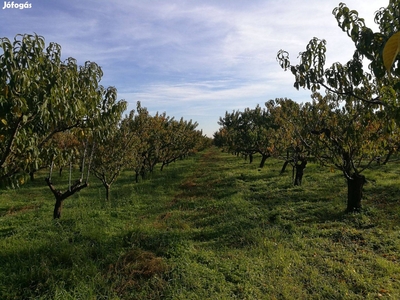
x=391, y=50
x=17, y=111
x=4, y=121
x=332, y=169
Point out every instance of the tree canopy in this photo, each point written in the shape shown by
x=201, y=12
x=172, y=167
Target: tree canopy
x=363, y=77
x=41, y=95
x=358, y=115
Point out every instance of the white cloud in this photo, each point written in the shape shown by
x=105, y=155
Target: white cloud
x=191, y=58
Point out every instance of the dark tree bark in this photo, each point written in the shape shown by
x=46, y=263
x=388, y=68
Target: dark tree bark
x=143, y=172
x=285, y=165
x=60, y=196
x=136, y=177
x=388, y=157
x=57, y=209
x=263, y=159
x=354, y=192
x=167, y=162
x=107, y=186
x=299, y=172
x=152, y=165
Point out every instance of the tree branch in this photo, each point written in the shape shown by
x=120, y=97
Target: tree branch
x=9, y=146
x=56, y=131
x=373, y=101
x=76, y=187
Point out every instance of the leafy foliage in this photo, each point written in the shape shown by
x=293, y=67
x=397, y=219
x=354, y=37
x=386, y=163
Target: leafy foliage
x=42, y=96
x=250, y=131
x=139, y=142
x=361, y=105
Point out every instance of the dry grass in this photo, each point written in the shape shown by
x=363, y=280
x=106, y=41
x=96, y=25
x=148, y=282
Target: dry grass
x=133, y=268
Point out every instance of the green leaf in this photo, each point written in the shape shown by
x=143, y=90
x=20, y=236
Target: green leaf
x=391, y=50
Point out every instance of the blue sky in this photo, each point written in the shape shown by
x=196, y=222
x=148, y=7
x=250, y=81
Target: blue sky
x=194, y=59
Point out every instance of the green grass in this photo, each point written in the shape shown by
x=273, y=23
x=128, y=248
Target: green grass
x=208, y=227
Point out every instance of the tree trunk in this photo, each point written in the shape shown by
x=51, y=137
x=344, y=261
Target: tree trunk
x=107, y=186
x=143, y=172
x=162, y=166
x=354, y=192
x=250, y=158
x=57, y=209
x=32, y=175
x=152, y=165
x=136, y=177
x=388, y=157
x=299, y=172
x=263, y=159
x=60, y=196
x=285, y=165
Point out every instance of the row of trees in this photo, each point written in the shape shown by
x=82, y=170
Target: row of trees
x=345, y=136
x=138, y=142
x=141, y=141
x=55, y=114
x=352, y=125
x=276, y=130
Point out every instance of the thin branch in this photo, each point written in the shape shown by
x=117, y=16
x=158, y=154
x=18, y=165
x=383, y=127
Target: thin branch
x=373, y=101
x=367, y=166
x=9, y=146
x=51, y=169
x=346, y=175
x=60, y=196
x=57, y=130
x=90, y=162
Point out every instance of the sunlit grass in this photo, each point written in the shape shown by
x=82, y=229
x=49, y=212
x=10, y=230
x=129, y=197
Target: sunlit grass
x=212, y=226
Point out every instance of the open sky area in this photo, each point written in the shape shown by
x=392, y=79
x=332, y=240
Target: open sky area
x=194, y=59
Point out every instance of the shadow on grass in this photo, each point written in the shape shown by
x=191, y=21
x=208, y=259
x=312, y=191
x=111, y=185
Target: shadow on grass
x=81, y=264
x=123, y=248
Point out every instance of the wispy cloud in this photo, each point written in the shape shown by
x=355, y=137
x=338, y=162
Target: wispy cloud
x=195, y=59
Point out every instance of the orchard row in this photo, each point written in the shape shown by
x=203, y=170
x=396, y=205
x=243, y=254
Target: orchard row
x=55, y=114
x=354, y=116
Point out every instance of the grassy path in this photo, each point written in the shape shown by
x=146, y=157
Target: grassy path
x=208, y=227
x=248, y=234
